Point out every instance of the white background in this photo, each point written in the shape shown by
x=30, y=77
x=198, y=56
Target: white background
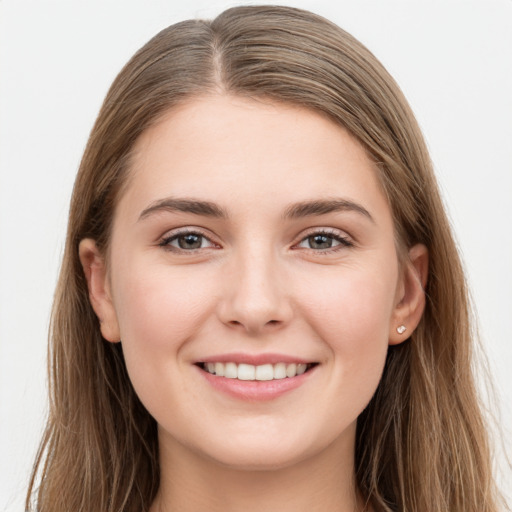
x=453, y=59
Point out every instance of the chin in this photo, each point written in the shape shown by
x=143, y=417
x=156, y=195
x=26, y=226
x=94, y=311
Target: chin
x=262, y=453
x=258, y=460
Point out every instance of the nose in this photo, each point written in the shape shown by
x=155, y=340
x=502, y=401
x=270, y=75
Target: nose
x=256, y=299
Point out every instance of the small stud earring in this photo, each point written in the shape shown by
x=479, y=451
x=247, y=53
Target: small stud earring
x=401, y=329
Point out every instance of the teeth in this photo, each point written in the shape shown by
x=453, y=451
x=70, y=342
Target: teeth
x=245, y=371
x=219, y=369
x=291, y=370
x=279, y=371
x=230, y=371
x=301, y=368
x=265, y=372
x=250, y=372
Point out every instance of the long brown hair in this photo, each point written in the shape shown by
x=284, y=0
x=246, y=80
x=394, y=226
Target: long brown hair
x=421, y=442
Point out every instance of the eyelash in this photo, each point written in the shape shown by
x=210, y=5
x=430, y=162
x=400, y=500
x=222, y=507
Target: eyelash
x=344, y=242
x=166, y=241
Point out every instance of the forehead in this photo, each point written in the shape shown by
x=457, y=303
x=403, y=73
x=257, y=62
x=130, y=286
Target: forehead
x=229, y=149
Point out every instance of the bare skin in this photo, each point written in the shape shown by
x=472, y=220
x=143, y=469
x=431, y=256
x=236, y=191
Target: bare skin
x=323, y=482
x=251, y=232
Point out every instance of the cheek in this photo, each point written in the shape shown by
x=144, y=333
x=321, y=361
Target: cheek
x=158, y=311
x=351, y=304
x=352, y=319
x=160, y=305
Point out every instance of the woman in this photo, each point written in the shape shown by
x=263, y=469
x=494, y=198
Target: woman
x=261, y=305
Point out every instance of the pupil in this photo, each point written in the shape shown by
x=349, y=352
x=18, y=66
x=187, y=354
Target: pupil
x=320, y=242
x=189, y=241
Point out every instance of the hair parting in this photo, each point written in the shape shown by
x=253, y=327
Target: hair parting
x=422, y=441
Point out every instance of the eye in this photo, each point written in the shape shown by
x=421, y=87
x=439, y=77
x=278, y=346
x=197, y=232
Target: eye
x=186, y=241
x=323, y=241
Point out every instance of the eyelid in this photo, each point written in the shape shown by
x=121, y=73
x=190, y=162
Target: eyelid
x=345, y=240
x=341, y=236
x=173, y=234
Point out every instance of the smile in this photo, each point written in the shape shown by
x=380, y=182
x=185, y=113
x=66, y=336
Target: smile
x=249, y=372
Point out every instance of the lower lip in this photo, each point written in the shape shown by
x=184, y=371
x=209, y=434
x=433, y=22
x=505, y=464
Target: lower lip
x=256, y=390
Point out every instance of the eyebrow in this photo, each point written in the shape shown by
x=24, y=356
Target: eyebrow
x=294, y=211
x=324, y=206
x=197, y=207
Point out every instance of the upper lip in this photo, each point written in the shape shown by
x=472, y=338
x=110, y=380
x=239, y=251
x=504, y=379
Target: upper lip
x=254, y=359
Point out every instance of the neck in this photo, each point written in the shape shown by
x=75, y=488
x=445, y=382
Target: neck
x=191, y=482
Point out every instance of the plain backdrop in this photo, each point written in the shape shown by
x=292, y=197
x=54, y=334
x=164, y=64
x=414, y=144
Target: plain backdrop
x=453, y=60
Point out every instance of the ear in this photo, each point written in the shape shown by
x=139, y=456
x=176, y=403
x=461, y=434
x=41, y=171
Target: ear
x=100, y=296
x=411, y=295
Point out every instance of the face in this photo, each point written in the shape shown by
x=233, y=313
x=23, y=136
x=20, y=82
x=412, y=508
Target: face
x=253, y=280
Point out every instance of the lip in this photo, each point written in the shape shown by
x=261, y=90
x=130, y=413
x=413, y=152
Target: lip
x=254, y=359
x=253, y=390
